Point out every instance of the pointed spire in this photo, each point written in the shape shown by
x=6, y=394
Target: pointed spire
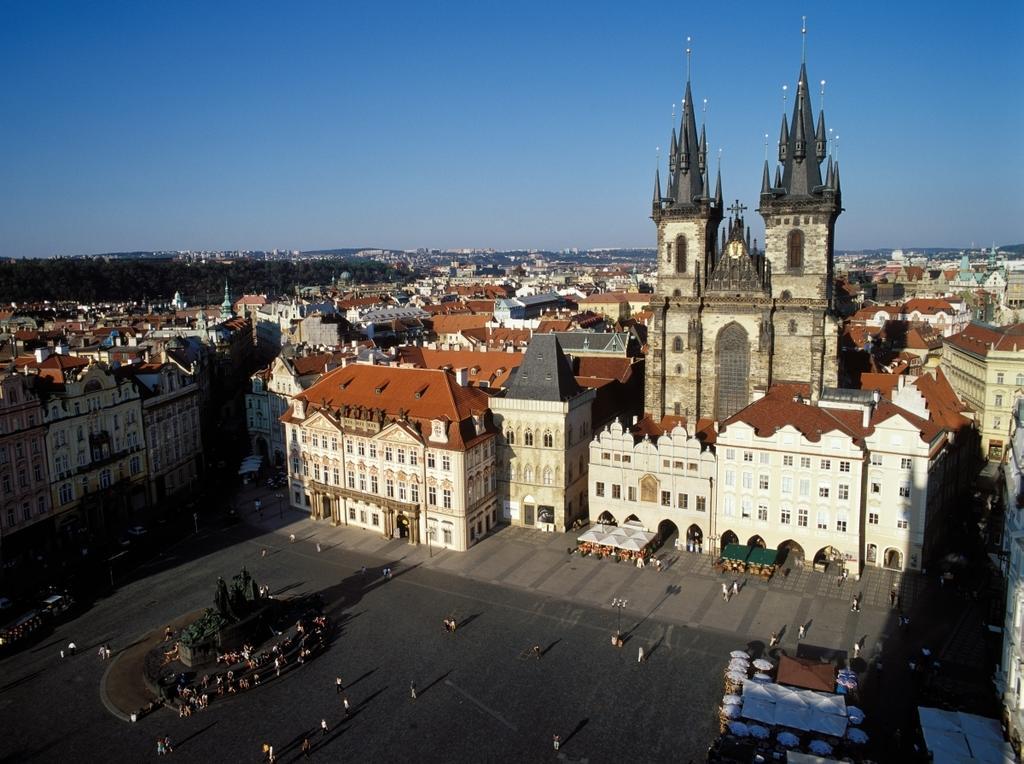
x=838, y=187
x=656, y=203
x=684, y=150
x=718, y=189
x=801, y=171
x=829, y=179
x=778, y=177
x=674, y=148
x=820, y=137
x=766, y=185
x=783, y=139
x=702, y=152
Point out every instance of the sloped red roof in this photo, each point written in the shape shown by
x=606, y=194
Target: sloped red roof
x=490, y=367
x=981, y=338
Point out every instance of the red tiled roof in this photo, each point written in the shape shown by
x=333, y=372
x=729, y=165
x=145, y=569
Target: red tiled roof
x=981, y=338
x=654, y=430
x=927, y=306
x=422, y=395
x=493, y=368
x=457, y=323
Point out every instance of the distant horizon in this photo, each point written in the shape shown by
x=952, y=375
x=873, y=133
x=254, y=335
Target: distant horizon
x=131, y=127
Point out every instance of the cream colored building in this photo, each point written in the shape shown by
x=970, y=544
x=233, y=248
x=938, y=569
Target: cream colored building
x=545, y=425
x=400, y=451
x=94, y=442
x=852, y=480
x=985, y=365
x=658, y=474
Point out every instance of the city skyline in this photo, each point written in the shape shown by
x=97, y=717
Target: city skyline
x=240, y=127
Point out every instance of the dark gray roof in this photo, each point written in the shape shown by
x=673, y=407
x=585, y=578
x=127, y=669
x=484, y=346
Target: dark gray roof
x=801, y=173
x=545, y=373
x=541, y=298
x=608, y=342
x=686, y=181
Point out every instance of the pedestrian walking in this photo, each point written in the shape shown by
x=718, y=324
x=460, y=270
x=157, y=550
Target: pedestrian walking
x=62, y=653
x=348, y=707
x=735, y=587
x=773, y=640
x=291, y=538
x=556, y=741
x=318, y=546
x=306, y=747
x=892, y=599
x=168, y=748
x=537, y=652
x=168, y=634
x=640, y=655
x=263, y=552
x=856, y=649
x=338, y=686
x=412, y=690
x=843, y=575
x=323, y=727
x=725, y=591
x=72, y=648
x=801, y=632
x=159, y=746
x=362, y=571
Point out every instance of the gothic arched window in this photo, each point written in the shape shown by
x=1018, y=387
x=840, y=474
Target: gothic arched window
x=680, y=254
x=548, y=440
x=528, y=438
x=510, y=438
x=732, y=360
x=677, y=344
x=795, y=249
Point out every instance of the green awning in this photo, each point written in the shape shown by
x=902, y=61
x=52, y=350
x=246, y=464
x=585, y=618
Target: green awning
x=759, y=556
x=736, y=552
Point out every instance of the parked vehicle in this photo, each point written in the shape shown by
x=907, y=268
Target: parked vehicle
x=56, y=605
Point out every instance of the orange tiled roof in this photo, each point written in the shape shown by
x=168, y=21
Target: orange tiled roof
x=981, y=338
x=492, y=368
x=456, y=323
x=927, y=306
x=422, y=395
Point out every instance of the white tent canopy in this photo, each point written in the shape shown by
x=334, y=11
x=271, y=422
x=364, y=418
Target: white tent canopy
x=626, y=536
x=798, y=709
x=953, y=737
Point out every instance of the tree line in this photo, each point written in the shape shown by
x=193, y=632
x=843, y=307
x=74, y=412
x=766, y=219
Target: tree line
x=124, y=279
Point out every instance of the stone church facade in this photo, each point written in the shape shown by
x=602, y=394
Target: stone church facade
x=727, y=317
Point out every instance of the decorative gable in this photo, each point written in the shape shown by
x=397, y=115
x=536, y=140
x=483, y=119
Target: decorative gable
x=438, y=431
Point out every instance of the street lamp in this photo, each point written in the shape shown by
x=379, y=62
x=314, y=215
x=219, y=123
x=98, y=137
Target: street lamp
x=619, y=604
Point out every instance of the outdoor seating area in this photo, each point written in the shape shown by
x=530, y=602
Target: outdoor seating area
x=755, y=560
x=765, y=720
x=628, y=542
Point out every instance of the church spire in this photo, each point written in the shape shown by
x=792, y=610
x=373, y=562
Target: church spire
x=783, y=139
x=801, y=171
x=656, y=202
x=718, y=188
x=766, y=185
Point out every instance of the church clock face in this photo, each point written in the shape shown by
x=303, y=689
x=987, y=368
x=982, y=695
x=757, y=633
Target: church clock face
x=735, y=249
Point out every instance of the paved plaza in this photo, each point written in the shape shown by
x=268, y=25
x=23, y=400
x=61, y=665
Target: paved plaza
x=482, y=695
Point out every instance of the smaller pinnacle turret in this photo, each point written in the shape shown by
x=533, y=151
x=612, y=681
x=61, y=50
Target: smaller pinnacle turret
x=783, y=139
x=820, y=139
x=702, y=152
x=766, y=186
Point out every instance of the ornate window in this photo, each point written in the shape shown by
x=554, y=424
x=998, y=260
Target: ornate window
x=795, y=249
x=528, y=438
x=549, y=441
x=732, y=361
x=680, y=254
x=677, y=344
x=510, y=438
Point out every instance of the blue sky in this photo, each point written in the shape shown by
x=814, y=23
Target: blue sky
x=258, y=125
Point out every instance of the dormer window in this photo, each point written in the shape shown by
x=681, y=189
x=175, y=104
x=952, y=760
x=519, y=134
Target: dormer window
x=438, y=431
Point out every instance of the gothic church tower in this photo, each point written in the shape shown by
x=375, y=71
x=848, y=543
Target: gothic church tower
x=687, y=217
x=800, y=210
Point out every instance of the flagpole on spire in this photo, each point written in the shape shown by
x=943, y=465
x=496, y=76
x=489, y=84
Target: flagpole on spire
x=688, y=50
x=803, y=33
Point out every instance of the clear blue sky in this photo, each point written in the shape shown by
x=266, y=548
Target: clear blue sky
x=143, y=125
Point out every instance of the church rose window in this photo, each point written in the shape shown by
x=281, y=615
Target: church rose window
x=795, y=249
x=732, y=359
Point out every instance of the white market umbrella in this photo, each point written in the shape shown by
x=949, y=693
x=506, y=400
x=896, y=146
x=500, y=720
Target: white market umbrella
x=764, y=664
x=731, y=712
x=820, y=747
x=732, y=700
x=739, y=664
x=855, y=715
x=788, y=739
x=759, y=732
x=739, y=728
x=759, y=677
x=856, y=735
x=739, y=654
x=736, y=676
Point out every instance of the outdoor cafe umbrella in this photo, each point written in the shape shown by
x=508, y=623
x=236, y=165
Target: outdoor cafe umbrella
x=731, y=700
x=855, y=715
x=788, y=739
x=735, y=676
x=757, y=731
x=856, y=735
x=764, y=664
x=731, y=712
x=739, y=665
x=739, y=728
x=848, y=681
x=739, y=654
x=820, y=747
x=759, y=677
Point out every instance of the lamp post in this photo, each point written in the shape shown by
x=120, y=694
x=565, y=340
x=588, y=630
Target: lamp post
x=619, y=604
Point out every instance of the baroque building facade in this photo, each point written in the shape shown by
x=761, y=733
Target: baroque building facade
x=728, y=318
